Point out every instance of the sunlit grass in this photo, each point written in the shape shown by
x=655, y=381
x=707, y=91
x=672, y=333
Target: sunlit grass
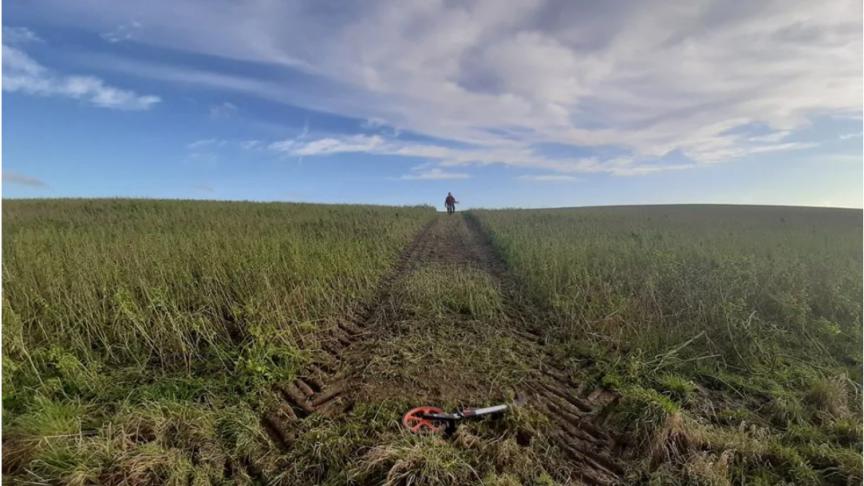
x=677, y=307
x=139, y=336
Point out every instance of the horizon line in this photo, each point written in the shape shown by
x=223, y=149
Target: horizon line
x=273, y=201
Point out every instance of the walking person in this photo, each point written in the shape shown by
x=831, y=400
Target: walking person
x=450, y=203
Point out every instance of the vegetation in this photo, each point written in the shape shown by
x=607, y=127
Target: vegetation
x=733, y=334
x=142, y=340
x=140, y=337
x=435, y=348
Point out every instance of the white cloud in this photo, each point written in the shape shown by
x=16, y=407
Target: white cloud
x=434, y=174
x=514, y=155
x=782, y=147
x=204, y=143
x=19, y=35
x=329, y=146
x=10, y=177
x=223, y=110
x=23, y=74
x=847, y=136
x=771, y=137
x=649, y=76
x=204, y=188
x=122, y=32
x=549, y=178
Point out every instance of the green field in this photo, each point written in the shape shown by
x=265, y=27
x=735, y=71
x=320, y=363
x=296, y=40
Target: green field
x=737, y=327
x=127, y=315
x=152, y=342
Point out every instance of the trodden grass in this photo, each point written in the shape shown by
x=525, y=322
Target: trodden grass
x=439, y=346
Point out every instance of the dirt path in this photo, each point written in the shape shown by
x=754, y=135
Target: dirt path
x=566, y=403
x=424, y=342
x=321, y=388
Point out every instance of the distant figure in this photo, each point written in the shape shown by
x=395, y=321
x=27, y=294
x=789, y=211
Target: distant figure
x=450, y=203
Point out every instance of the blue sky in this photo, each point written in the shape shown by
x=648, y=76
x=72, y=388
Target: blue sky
x=545, y=103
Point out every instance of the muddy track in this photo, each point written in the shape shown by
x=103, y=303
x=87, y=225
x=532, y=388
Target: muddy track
x=329, y=385
x=579, y=435
x=321, y=388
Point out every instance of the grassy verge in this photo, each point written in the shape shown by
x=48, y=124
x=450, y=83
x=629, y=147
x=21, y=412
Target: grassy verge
x=140, y=337
x=733, y=334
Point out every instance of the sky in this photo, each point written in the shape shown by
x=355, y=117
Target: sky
x=542, y=103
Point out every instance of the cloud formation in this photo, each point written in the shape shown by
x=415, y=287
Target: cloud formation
x=434, y=174
x=10, y=177
x=23, y=74
x=206, y=143
x=513, y=154
x=330, y=145
x=19, y=35
x=122, y=32
x=204, y=188
x=223, y=110
x=652, y=77
x=549, y=178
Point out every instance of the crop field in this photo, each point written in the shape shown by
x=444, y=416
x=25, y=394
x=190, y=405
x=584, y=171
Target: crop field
x=168, y=342
x=731, y=334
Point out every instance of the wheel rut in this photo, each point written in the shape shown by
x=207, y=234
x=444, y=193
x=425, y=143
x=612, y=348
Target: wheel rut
x=548, y=389
x=321, y=388
x=330, y=385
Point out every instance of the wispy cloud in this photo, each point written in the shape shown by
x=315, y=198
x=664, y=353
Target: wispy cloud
x=549, y=178
x=123, y=32
x=771, y=137
x=781, y=147
x=19, y=35
x=847, y=136
x=661, y=76
x=331, y=145
x=204, y=143
x=223, y=110
x=204, y=188
x=434, y=174
x=651, y=77
x=513, y=154
x=23, y=74
x=10, y=177
x=215, y=145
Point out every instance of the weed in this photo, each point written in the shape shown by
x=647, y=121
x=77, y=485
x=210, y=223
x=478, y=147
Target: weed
x=829, y=396
x=676, y=387
x=421, y=460
x=709, y=469
x=642, y=412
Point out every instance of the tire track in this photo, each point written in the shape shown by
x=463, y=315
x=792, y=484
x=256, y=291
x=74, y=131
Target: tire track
x=549, y=390
x=320, y=388
x=327, y=387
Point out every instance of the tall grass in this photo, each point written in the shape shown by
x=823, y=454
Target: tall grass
x=169, y=284
x=760, y=303
x=110, y=304
x=140, y=339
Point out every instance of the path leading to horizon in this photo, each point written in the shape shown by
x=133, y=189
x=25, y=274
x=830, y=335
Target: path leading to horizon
x=419, y=341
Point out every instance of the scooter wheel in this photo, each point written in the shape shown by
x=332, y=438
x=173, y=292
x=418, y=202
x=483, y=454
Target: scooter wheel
x=417, y=424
